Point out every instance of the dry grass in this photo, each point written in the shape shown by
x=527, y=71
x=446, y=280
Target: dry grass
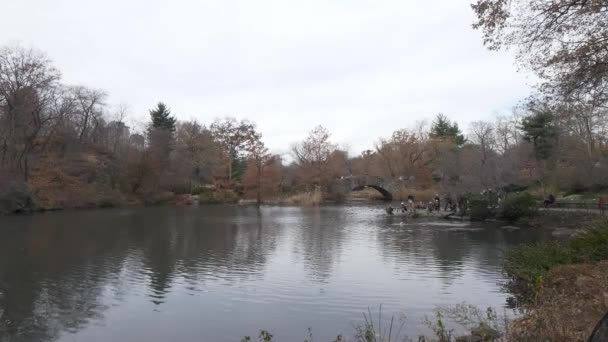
x=572, y=299
x=368, y=194
x=310, y=198
x=419, y=195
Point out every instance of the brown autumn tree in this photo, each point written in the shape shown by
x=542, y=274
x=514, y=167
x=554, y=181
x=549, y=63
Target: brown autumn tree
x=198, y=155
x=405, y=154
x=237, y=138
x=313, y=156
x=262, y=174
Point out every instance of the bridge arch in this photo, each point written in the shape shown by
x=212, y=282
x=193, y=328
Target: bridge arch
x=385, y=193
x=385, y=186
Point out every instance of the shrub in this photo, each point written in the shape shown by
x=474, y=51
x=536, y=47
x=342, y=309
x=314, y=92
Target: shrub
x=160, y=198
x=530, y=263
x=591, y=245
x=480, y=207
x=218, y=197
x=514, y=188
x=516, y=206
x=311, y=198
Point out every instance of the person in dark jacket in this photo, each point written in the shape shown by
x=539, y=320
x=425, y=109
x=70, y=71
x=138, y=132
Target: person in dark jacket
x=549, y=201
x=448, y=202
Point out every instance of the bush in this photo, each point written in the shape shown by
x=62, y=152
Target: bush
x=218, y=197
x=164, y=197
x=514, y=188
x=480, y=208
x=199, y=189
x=311, y=198
x=530, y=263
x=516, y=206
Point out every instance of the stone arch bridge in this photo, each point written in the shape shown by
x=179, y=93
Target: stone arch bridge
x=385, y=186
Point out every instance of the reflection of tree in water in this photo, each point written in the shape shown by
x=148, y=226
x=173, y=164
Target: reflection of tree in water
x=48, y=283
x=319, y=237
x=54, y=268
x=232, y=245
x=481, y=246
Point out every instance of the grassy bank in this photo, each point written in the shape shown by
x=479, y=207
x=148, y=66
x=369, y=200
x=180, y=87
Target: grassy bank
x=562, y=286
x=567, y=305
x=530, y=263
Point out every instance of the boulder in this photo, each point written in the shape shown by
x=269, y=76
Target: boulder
x=14, y=198
x=600, y=333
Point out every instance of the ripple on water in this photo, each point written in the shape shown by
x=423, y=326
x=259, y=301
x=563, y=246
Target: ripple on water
x=196, y=274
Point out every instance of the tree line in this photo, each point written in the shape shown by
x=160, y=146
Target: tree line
x=66, y=147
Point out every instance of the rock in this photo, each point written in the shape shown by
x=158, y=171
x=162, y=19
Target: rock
x=485, y=332
x=14, y=198
x=184, y=200
x=600, y=333
x=563, y=232
x=479, y=334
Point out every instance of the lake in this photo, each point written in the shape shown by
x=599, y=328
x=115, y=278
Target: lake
x=217, y=273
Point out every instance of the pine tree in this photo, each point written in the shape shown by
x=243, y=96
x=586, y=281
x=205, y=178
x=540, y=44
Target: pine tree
x=540, y=130
x=161, y=118
x=443, y=129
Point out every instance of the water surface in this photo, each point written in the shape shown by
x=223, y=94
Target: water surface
x=217, y=273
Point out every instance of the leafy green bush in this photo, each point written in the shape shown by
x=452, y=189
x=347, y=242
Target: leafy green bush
x=514, y=188
x=527, y=263
x=516, y=206
x=530, y=263
x=591, y=245
x=480, y=207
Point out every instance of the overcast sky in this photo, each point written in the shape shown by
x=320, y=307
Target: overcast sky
x=361, y=68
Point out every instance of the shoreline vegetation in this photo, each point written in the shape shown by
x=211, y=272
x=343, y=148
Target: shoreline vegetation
x=65, y=146
x=562, y=286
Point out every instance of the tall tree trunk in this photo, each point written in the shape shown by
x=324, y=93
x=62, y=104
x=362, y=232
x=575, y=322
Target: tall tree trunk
x=230, y=171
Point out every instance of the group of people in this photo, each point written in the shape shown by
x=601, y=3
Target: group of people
x=448, y=203
x=434, y=205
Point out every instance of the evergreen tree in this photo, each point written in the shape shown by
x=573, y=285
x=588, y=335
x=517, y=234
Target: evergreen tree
x=161, y=117
x=540, y=130
x=443, y=129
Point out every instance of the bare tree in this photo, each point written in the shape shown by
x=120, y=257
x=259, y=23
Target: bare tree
x=198, y=151
x=564, y=41
x=506, y=131
x=27, y=83
x=260, y=159
x=313, y=154
x=482, y=134
x=236, y=138
x=90, y=106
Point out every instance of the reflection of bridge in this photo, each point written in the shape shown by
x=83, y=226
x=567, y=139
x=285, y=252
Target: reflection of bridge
x=385, y=186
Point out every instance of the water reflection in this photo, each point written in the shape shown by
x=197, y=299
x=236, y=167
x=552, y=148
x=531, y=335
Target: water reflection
x=217, y=273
